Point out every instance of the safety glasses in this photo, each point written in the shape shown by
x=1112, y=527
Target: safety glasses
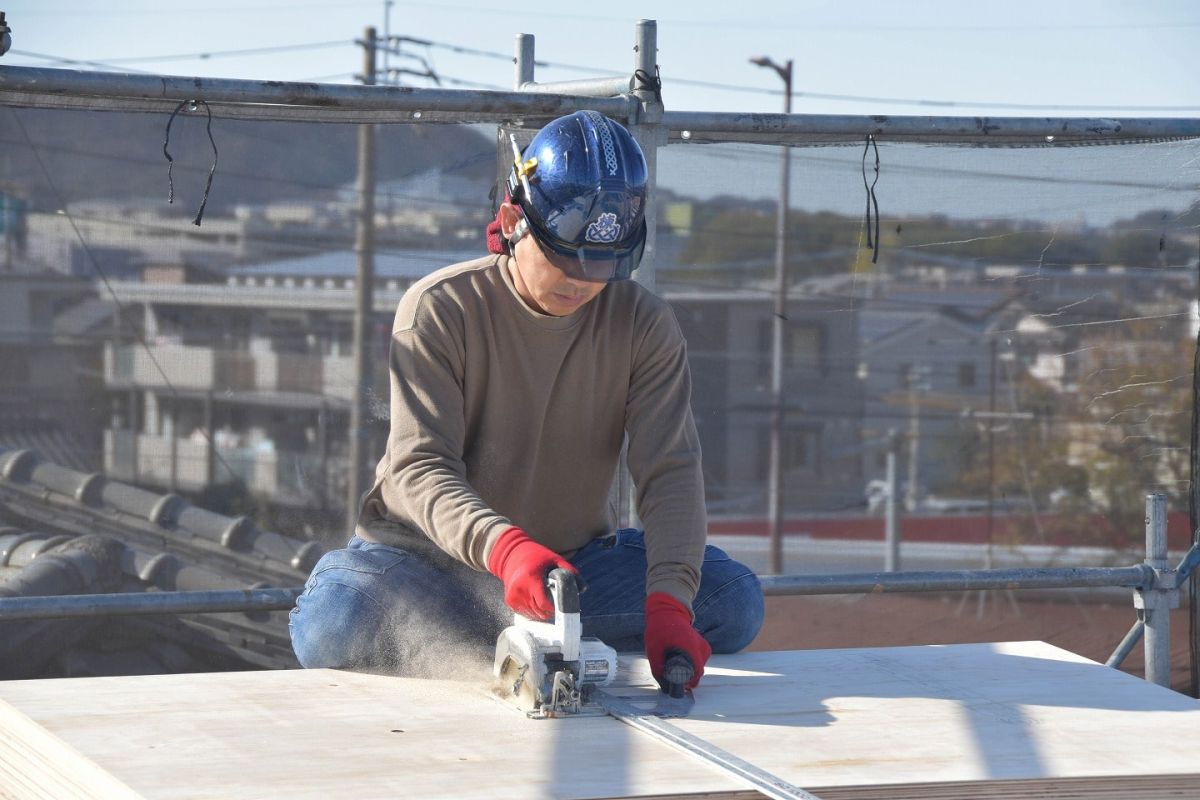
x=593, y=264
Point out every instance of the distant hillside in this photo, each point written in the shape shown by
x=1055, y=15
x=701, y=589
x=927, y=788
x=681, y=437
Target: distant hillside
x=100, y=155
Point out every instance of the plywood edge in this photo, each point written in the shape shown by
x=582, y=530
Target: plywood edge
x=1114, y=787
x=37, y=765
x=1121, y=787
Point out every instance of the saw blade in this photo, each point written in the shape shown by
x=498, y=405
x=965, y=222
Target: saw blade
x=513, y=685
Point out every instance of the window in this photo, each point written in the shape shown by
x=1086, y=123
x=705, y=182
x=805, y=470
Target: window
x=966, y=375
x=803, y=346
x=903, y=375
x=799, y=450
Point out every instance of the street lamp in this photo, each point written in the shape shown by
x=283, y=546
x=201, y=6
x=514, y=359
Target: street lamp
x=774, y=466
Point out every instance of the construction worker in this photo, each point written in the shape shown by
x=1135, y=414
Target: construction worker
x=515, y=379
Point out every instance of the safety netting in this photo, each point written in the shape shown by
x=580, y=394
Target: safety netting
x=996, y=343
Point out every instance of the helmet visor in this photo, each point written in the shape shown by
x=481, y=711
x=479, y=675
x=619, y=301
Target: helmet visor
x=597, y=264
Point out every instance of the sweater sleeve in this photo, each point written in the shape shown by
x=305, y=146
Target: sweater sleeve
x=425, y=484
x=665, y=460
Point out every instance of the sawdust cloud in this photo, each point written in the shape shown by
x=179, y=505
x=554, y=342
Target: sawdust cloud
x=425, y=645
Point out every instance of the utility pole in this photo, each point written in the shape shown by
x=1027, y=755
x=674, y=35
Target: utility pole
x=775, y=455
x=364, y=286
x=991, y=507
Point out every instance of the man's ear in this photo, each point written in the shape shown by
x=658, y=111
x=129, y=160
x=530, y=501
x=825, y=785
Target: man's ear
x=510, y=216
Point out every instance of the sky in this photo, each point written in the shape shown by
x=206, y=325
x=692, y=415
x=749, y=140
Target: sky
x=934, y=57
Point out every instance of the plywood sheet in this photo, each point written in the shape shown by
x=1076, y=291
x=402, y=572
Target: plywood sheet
x=323, y=734
x=856, y=719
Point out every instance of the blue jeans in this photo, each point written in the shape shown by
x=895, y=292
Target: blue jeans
x=374, y=608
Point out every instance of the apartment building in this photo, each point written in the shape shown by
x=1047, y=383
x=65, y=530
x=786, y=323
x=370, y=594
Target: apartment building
x=249, y=381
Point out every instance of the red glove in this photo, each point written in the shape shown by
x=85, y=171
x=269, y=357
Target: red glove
x=522, y=564
x=669, y=627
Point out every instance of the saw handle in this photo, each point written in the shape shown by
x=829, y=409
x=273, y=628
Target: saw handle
x=564, y=587
x=677, y=672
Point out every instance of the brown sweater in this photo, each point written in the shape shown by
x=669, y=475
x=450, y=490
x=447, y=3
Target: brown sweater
x=503, y=416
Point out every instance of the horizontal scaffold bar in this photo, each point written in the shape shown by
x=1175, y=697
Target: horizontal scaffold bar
x=43, y=87
x=959, y=580
x=699, y=127
x=133, y=603
x=588, y=87
x=92, y=605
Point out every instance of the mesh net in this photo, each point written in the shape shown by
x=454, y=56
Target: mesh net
x=1011, y=330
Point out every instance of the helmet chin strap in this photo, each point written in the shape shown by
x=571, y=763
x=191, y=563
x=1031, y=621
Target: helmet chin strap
x=519, y=232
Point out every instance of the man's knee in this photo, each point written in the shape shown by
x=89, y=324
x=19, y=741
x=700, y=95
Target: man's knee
x=731, y=616
x=374, y=608
x=337, y=626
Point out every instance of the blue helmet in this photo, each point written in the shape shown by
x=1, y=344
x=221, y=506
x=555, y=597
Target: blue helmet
x=581, y=186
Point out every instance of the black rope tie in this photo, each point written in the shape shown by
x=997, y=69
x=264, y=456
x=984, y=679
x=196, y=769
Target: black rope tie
x=191, y=106
x=646, y=81
x=872, y=201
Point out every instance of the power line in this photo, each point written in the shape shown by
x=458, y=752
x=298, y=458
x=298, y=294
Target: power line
x=172, y=9
x=253, y=51
x=667, y=80
x=62, y=60
x=331, y=76
x=463, y=50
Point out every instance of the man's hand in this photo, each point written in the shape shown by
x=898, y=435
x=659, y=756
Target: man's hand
x=669, y=627
x=522, y=564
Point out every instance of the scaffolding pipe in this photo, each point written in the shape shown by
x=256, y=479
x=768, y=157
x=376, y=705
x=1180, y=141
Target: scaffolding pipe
x=359, y=474
x=891, y=527
x=588, y=87
x=1157, y=600
x=523, y=62
x=958, y=580
x=49, y=83
x=45, y=87
x=1135, y=576
x=1126, y=646
x=650, y=134
x=136, y=603
x=970, y=129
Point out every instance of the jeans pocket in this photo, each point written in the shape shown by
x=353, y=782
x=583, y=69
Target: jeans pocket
x=370, y=557
x=713, y=553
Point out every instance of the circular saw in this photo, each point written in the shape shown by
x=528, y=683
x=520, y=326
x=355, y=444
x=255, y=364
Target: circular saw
x=549, y=668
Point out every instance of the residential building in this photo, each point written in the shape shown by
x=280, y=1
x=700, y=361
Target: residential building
x=49, y=364
x=729, y=336
x=249, y=383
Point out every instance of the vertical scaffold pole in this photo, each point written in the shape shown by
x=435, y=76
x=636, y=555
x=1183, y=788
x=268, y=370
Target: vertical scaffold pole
x=364, y=285
x=1157, y=603
x=891, y=527
x=646, y=127
x=650, y=133
x=522, y=60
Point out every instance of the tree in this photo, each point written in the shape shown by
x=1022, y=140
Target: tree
x=1086, y=460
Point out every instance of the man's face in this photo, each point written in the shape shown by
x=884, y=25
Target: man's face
x=541, y=276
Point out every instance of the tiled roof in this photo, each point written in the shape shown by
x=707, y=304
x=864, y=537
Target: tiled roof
x=165, y=543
